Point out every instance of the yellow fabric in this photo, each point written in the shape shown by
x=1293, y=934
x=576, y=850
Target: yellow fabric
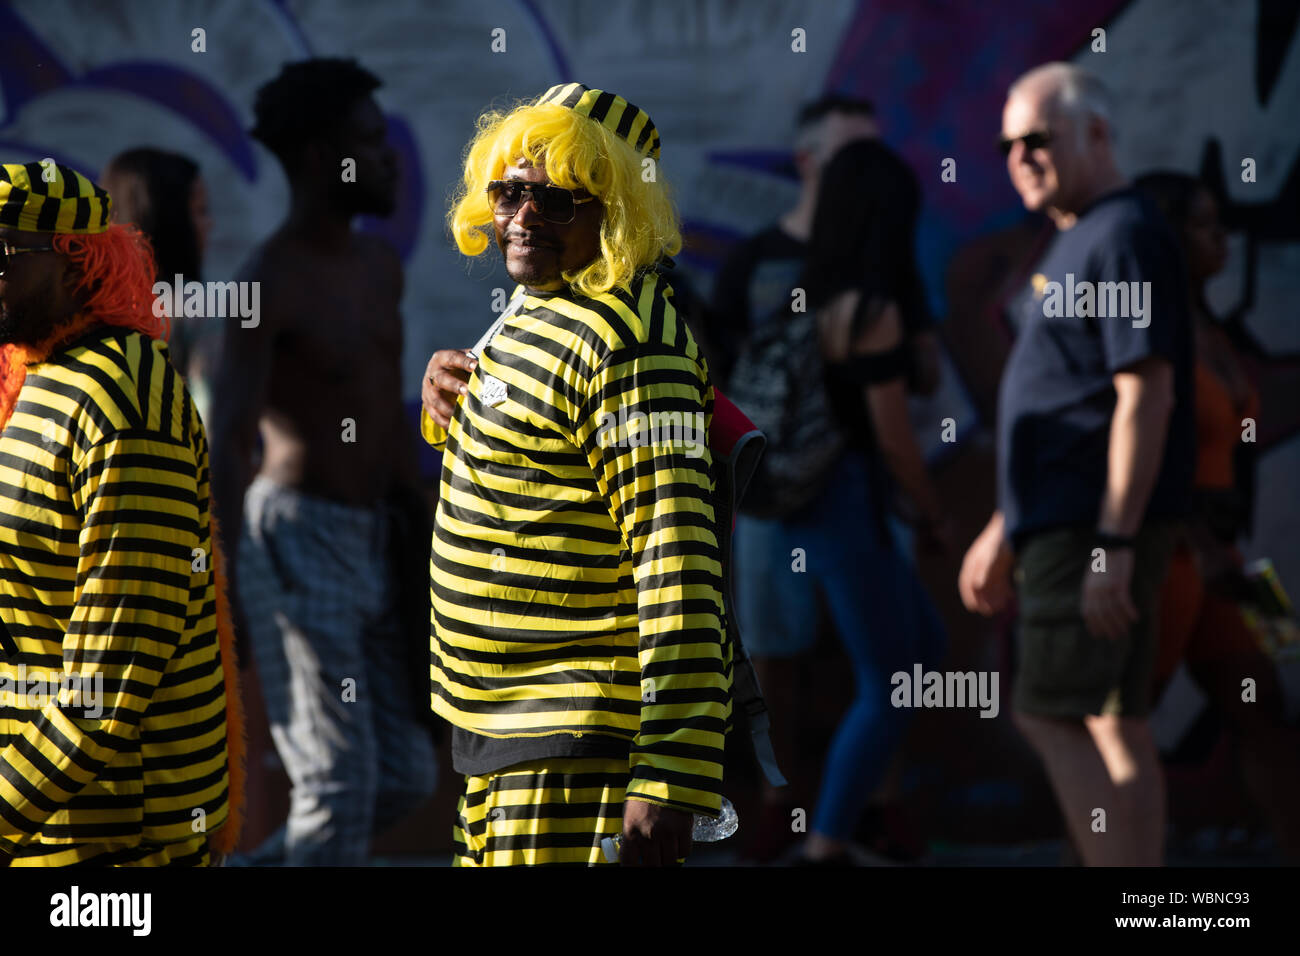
x=576, y=582
x=106, y=574
x=551, y=812
x=46, y=197
x=192, y=852
x=628, y=122
x=431, y=431
x=541, y=813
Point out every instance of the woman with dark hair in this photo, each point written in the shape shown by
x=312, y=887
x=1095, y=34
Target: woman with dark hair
x=1200, y=620
x=165, y=197
x=861, y=278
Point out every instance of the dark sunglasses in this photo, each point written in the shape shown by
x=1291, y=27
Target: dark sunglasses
x=7, y=252
x=1036, y=140
x=551, y=202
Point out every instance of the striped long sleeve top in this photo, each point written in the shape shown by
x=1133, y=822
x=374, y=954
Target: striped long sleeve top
x=112, y=697
x=575, y=570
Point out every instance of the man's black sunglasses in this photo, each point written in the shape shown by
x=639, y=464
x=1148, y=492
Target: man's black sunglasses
x=1035, y=140
x=7, y=251
x=551, y=202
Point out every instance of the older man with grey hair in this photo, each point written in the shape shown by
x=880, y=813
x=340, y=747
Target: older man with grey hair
x=1094, y=453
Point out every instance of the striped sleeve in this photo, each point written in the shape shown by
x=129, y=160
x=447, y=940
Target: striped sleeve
x=136, y=496
x=656, y=479
x=431, y=431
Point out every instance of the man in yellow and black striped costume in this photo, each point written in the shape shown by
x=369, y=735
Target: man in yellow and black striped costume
x=113, y=670
x=578, y=644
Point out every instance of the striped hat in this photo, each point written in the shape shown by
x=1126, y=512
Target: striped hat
x=51, y=198
x=616, y=114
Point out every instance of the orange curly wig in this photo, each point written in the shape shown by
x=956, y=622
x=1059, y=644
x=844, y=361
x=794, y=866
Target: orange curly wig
x=115, y=277
x=115, y=271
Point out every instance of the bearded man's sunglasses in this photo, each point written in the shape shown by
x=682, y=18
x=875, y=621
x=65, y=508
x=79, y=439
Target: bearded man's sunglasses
x=7, y=252
x=551, y=202
x=1032, y=141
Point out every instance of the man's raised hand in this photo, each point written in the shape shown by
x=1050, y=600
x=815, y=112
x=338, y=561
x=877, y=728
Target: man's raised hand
x=444, y=382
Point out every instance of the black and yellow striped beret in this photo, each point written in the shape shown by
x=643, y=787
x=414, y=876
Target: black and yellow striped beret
x=36, y=197
x=616, y=114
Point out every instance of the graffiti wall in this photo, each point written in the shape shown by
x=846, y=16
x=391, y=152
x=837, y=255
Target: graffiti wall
x=1201, y=86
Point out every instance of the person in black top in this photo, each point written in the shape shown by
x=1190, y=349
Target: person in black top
x=860, y=278
x=755, y=285
x=1094, y=453
x=757, y=276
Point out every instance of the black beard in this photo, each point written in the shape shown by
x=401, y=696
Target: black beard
x=16, y=326
x=532, y=278
x=20, y=326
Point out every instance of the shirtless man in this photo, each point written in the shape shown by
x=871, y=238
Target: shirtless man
x=318, y=373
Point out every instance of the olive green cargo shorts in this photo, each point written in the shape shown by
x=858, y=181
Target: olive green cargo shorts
x=1064, y=671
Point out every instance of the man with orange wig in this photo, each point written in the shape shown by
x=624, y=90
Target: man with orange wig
x=119, y=715
x=578, y=634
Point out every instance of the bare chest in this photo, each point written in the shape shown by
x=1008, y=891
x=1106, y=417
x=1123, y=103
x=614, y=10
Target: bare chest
x=343, y=325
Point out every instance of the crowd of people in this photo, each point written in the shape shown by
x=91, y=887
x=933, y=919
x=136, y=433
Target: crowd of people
x=568, y=595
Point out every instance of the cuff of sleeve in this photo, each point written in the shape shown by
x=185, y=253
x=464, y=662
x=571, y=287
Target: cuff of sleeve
x=433, y=433
x=13, y=838
x=705, y=799
x=16, y=828
x=673, y=805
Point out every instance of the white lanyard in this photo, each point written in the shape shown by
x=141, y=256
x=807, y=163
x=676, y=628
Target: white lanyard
x=509, y=312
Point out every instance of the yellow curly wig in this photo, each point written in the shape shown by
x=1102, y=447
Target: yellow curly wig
x=640, y=224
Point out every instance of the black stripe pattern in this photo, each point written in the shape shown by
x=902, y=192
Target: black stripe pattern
x=106, y=588
x=627, y=122
x=575, y=573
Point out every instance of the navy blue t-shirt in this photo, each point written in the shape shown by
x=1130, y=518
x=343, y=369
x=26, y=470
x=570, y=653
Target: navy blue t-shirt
x=1109, y=292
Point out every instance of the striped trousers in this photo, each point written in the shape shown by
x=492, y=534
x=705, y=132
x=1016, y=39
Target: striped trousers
x=549, y=812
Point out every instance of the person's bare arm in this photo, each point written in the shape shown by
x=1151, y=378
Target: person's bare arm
x=239, y=396
x=887, y=405
x=984, y=581
x=1144, y=401
x=926, y=363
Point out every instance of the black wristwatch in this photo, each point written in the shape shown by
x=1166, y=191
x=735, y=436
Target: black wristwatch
x=1113, y=542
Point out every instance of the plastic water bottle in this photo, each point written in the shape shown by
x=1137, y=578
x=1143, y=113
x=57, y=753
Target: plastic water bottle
x=706, y=830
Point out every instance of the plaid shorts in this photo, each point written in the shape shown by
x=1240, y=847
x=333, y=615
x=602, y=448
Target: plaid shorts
x=315, y=584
